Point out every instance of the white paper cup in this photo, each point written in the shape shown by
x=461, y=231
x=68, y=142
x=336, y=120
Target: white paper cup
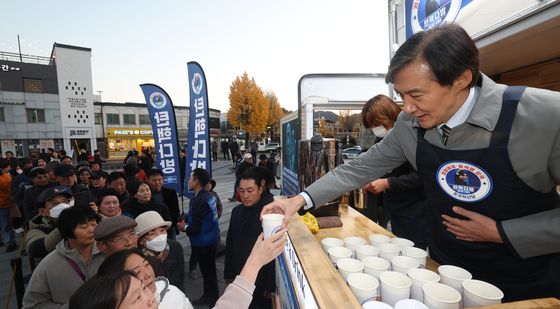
x=478, y=293
x=409, y=304
x=441, y=296
x=417, y=254
x=353, y=242
x=366, y=250
x=365, y=287
x=420, y=277
x=378, y=239
x=375, y=265
x=349, y=266
x=387, y=251
x=453, y=276
x=394, y=287
x=330, y=242
x=402, y=264
x=402, y=242
x=375, y=305
x=271, y=224
x=337, y=253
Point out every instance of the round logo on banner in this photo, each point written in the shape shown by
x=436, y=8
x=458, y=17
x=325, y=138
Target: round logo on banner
x=196, y=83
x=158, y=100
x=464, y=181
x=427, y=14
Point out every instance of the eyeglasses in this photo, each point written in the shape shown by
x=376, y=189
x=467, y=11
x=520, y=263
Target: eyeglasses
x=128, y=239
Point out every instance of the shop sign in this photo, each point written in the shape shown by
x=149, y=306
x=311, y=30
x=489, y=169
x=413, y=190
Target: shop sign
x=292, y=278
x=131, y=132
x=8, y=68
x=79, y=132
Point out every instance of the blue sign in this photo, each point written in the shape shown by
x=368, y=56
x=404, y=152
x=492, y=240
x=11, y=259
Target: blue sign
x=290, y=182
x=422, y=15
x=162, y=117
x=198, y=144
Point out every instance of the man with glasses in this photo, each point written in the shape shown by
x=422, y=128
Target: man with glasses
x=115, y=234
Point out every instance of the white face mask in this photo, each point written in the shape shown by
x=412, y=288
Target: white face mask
x=71, y=203
x=56, y=210
x=379, y=131
x=157, y=244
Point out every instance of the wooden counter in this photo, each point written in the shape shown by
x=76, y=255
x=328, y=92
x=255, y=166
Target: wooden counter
x=328, y=288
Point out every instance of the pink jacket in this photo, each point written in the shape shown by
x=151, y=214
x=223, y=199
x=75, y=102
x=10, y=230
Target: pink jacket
x=238, y=294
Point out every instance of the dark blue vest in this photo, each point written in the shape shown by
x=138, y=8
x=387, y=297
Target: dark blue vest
x=210, y=231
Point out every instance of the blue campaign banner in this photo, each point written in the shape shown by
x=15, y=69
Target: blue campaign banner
x=422, y=15
x=198, y=143
x=162, y=117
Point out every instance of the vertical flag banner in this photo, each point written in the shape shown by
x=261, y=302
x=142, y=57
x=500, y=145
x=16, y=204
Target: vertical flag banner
x=162, y=117
x=198, y=144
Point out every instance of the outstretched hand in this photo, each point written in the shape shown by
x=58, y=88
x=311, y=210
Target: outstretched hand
x=377, y=186
x=286, y=207
x=477, y=228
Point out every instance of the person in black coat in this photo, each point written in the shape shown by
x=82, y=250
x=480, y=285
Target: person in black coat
x=40, y=182
x=244, y=229
x=403, y=192
x=225, y=149
x=141, y=202
x=233, y=148
x=164, y=196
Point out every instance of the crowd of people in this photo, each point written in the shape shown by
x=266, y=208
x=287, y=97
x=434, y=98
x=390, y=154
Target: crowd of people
x=85, y=227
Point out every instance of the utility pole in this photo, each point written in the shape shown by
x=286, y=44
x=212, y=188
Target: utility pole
x=19, y=49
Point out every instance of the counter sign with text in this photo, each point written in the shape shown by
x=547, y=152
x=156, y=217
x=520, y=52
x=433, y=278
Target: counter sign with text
x=162, y=117
x=198, y=145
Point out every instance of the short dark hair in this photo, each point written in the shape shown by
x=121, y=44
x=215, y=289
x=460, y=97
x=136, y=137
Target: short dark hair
x=212, y=182
x=155, y=171
x=261, y=176
x=66, y=157
x=448, y=50
x=201, y=175
x=107, y=291
x=114, y=176
x=4, y=163
x=101, y=194
x=116, y=261
x=71, y=217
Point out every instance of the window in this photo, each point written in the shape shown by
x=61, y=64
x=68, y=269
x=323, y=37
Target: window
x=35, y=115
x=129, y=119
x=2, y=117
x=32, y=85
x=113, y=119
x=144, y=119
x=98, y=118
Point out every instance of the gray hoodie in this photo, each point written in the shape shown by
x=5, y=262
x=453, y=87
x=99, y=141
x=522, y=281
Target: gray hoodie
x=55, y=280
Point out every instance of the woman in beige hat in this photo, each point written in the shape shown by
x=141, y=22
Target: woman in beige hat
x=153, y=241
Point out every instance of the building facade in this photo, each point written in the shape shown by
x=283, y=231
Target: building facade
x=122, y=127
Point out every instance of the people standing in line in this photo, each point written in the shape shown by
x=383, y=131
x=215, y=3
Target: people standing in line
x=233, y=149
x=6, y=230
x=153, y=241
x=204, y=233
x=225, y=149
x=165, y=196
x=74, y=261
x=403, y=192
x=214, y=148
x=244, y=229
x=506, y=231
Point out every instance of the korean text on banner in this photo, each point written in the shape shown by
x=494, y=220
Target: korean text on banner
x=198, y=145
x=162, y=117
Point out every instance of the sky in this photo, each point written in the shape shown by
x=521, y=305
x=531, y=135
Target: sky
x=135, y=42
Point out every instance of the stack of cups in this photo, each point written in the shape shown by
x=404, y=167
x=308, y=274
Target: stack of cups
x=394, y=287
x=271, y=224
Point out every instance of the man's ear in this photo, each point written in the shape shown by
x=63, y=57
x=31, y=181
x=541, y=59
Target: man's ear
x=463, y=80
x=101, y=245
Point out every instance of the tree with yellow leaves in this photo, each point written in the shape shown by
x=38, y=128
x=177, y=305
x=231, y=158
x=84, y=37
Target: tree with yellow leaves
x=275, y=113
x=248, y=106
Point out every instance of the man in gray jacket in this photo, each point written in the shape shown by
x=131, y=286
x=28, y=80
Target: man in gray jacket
x=75, y=260
x=502, y=222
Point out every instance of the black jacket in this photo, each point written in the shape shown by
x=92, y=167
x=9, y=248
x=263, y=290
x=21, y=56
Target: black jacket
x=244, y=229
x=133, y=209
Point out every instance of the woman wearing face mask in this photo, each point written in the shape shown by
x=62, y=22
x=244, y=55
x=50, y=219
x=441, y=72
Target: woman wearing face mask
x=43, y=235
x=403, y=192
x=120, y=290
x=152, y=240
